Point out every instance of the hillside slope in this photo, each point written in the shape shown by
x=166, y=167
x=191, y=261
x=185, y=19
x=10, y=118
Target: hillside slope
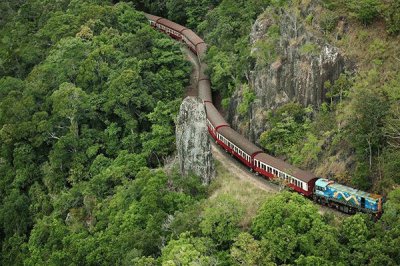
x=313, y=82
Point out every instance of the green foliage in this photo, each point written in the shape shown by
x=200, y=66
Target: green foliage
x=309, y=48
x=290, y=228
x=377, y=51
x=96, y=99
x=248, y=98
x=265, y=50
x=309, y=19
x=328, y=21
x=365, y=11
x=196, y=11
x=221, y=219
x=365, y=129
x=311, y=261
x=246, y=250
x=391, y=13
x=222, y=69
x=226, y=30
x=288, y=126
x=188, y=250
x=286, y=209
x=340, y=88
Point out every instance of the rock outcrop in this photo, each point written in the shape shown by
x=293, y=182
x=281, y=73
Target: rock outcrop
x=192, y=142
x=303, y=62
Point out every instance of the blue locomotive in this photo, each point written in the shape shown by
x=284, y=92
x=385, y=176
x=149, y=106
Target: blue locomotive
x=346, y=199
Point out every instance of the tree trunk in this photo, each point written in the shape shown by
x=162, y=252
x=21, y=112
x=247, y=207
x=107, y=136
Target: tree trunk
x=370, y=153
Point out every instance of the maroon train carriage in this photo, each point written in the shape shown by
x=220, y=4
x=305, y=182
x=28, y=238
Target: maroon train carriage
x=238, y=145
x=203, y=71
x=171, y=28
x=152, y=19
x=214, y=120
x=204, y=88
x=201, y=50
x=295, y=178
x=191, y=39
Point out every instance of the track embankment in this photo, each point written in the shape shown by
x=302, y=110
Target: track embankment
x=239, y=170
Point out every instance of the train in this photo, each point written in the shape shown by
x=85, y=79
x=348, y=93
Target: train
x=321, y=190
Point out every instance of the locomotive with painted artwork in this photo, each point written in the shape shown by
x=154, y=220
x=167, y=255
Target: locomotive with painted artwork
x=345, y=198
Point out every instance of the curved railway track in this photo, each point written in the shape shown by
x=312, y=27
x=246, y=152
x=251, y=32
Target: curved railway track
x=304, y=182
x=234, y=167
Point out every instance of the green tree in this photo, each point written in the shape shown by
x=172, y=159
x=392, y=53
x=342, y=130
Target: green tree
x=391, y=13
x=220, y=220
x=246, y=250
x=366, y=11
x=365, y=118
x=188, y=250
x=14, y=214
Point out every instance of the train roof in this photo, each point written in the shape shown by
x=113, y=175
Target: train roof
x=240, y=141
x=192, y=37
x=201, y=49
x=285, y=167
x=202, y=71
x=214, y=116
x=152, y=17
x=205, y=90
x=322, y=182
x=171, y=25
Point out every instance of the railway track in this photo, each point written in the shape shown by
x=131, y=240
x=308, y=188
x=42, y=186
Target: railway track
x=231, y=164
x=328, y=192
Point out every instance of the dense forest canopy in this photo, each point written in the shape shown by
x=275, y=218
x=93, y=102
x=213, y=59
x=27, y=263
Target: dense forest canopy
x=88, y=97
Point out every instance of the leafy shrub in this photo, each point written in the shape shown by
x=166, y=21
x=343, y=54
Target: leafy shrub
x=328, y=21
x=309, y=48
x=248, y=98
x=391, y=14
x=365, y=11
x=309, y=19
x=266, y=51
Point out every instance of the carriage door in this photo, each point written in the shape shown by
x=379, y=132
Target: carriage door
x=363, y=203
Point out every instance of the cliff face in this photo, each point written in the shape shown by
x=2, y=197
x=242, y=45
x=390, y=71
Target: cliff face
x=193, y=144
x=301, y=62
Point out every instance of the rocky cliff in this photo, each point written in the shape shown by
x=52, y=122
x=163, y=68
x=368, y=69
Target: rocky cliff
x=193, y=144
x=293, y=61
